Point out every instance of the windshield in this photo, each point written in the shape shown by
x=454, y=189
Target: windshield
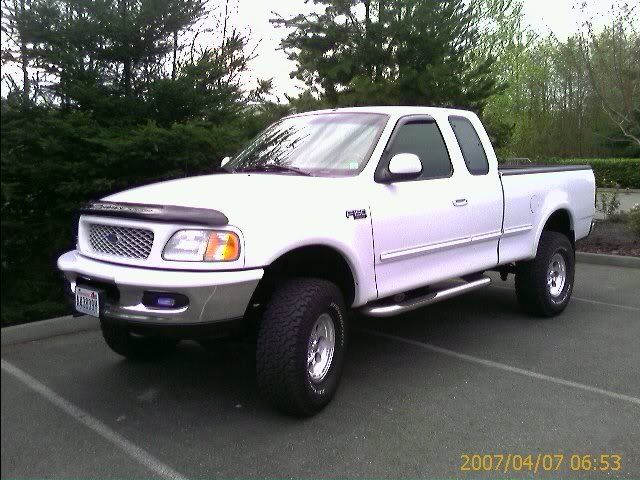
x=328, y=144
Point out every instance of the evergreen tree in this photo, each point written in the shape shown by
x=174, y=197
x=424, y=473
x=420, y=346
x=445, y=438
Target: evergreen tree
x=407, y=52
x=105, y=48
x=125, y=96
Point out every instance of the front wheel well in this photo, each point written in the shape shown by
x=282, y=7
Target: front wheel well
x=316, y=261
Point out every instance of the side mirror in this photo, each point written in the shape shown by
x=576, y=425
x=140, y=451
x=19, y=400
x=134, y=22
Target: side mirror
x=404, y=166
x=225, y=160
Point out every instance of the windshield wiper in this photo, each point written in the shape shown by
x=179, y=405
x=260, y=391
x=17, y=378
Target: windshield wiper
x=274, y=168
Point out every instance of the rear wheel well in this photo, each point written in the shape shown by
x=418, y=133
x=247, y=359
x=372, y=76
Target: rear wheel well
x=317, y=261
x=560, y=221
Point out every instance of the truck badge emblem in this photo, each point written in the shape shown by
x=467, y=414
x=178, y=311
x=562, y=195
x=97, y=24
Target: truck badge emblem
x=112, y=238
x=357, y=214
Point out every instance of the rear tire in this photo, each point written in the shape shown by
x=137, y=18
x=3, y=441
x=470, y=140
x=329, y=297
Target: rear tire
x=544, y=284
x=123, y=341
x=301, y=344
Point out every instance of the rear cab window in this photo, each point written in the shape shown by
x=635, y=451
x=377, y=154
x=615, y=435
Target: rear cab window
x=475, y=157
x=421, y=136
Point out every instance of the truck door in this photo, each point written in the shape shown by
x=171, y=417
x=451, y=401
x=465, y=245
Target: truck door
x=484, y=190
x=419, y=225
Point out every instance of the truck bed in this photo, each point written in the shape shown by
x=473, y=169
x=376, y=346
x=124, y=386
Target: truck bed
x=532, y=193
x=530, y=169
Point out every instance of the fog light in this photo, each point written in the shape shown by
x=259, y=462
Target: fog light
x=164, y=300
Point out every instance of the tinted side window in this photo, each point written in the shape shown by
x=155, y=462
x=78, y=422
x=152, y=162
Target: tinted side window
x=424, y=140
x=472, y=149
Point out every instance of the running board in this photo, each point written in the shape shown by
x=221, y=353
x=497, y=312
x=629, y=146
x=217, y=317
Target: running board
x=390, y=309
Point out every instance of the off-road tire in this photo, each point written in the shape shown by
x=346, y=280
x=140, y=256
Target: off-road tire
x=283, y=343
x=532, y=289
x=123, y=341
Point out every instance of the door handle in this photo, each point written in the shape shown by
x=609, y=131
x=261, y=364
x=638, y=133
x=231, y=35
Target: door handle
x=460, y=202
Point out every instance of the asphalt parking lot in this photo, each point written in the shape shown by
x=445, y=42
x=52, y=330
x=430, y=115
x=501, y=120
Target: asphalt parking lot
x=470, y=375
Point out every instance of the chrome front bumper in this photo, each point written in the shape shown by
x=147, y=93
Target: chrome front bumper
x=213, y=296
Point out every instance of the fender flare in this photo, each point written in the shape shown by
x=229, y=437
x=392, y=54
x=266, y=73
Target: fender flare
x=332, y=246
x=562, y=207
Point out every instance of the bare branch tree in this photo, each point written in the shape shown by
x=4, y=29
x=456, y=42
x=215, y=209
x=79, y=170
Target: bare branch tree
x=612, y=60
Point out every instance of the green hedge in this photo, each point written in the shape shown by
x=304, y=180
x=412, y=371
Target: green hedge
x=608, y=171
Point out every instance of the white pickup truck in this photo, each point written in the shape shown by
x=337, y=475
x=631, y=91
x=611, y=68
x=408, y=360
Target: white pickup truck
x=383, y=210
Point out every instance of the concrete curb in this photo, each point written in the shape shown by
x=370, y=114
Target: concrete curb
x=28, y=332
x=610, y=260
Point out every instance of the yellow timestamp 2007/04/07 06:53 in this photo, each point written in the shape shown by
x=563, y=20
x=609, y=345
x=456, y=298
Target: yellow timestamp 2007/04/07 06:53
x=540, y=462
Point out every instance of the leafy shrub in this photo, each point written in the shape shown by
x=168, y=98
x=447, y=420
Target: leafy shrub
x=624, y=172
x=54, y=161
x=633, y=219
x=607, y=202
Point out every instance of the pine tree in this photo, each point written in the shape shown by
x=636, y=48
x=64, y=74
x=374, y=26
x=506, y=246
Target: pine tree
x=113, y=47
x=407, y=52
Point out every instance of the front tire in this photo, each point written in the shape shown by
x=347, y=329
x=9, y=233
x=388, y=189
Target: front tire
x=301, y=344
x=544, y=284
x=123, y=341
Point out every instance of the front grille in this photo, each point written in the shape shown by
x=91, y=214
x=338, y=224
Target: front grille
x=121, y=241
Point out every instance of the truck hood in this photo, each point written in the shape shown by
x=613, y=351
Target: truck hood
x=242, y=197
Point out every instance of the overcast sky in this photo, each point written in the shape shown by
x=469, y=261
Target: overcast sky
x=557, y=16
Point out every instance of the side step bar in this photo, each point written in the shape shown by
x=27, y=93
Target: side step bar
x=391, y=309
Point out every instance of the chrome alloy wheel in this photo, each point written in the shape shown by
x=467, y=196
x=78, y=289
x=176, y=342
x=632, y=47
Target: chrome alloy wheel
x=322, y=344
x=556, y=274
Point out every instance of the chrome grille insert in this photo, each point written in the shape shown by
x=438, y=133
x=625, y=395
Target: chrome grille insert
x=120, y=241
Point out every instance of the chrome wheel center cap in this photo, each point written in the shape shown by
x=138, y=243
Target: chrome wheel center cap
x=556, y=275
x=322, y=343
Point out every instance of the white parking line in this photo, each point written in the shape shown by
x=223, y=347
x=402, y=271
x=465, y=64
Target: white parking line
x=588, y=300
x=94, y=424
x=502, y=366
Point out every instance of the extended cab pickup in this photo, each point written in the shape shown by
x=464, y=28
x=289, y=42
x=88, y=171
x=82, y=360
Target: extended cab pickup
x=383, y=210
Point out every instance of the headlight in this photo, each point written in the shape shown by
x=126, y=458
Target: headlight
x=202, y=246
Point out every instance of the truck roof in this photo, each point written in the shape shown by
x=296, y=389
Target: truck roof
x=394, y=110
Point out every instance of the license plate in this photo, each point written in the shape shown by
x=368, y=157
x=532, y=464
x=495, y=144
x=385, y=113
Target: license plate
x=87, y=301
